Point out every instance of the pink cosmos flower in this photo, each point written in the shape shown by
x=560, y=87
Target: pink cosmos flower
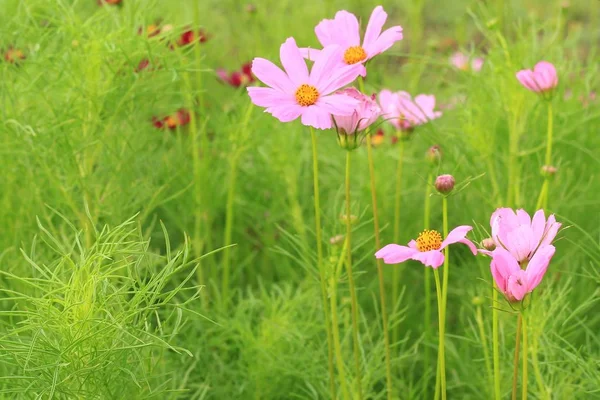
x=344, y=31
x=405, y=113
x=298, y=93
x=365, y=114
x=520, y=235
x=542, y=79
x=463, y=62
x=427, y=248
x=515, y=282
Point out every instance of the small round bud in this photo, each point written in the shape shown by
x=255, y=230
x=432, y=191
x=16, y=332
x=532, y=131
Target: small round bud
x=434, y=154
x=444, y=183
x=353, y=218
x=488, y=244
x=337, y=239
x=549, y=171
x=478, y=301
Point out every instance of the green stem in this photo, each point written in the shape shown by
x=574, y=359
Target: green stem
x=337, y=344
x=516, y=361
x=441, y=355
x=320, y=265
x=524, y=388
x=397, y=203
x=446, y=273
x=536, y=368
x=543, y=197
x=384, y=316
x=229, y=213
x=354, y=301
x=486, y=354
x=427, y=288
x=196, y=239
x=495, y=343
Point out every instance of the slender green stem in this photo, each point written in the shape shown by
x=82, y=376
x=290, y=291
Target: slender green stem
x=384, y=316
x=337, y=344
x=543, y=197
x=484, y=345
x=397, y=203
x=536, y=368
x=427, y=288
x=495, y=342
x=441, y=355
x=197, y=174
x=229, y=211
x=524, y=384
x=354, y=301
x=516, y=361
x=320, y=265
x=446, y=273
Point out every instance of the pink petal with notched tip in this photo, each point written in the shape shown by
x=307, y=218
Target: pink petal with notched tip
x=271, y=75
x=394, y=253
x=268, y=97
x=342, y=30
x=293, y=62
x=433, y=258
x=503, y=265
x=537, y=267
x=316, y=117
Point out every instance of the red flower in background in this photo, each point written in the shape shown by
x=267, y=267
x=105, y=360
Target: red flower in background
x=189, y=36
x=109, y=2
x=145, y=63
x=13, y=55
x=150, y=30
x=180, y=118
x=378, y=138
x=237, y=78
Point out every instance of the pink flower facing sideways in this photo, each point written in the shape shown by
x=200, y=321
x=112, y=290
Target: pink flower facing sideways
x=344, y=31
x=463, y=62
x=427, y=248
x=404, y=113
x=523, y=250
x=542, y=79
x=365, y=114
x=298, y=93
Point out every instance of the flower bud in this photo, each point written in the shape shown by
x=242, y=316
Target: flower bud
x=549, y=171
x=337, y=239
x=488, y=244
x=434, y=154
x=353, y=218
x=478, y=301
x=444, y=183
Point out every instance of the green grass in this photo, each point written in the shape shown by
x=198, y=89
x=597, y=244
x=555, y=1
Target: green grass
x=113, y=234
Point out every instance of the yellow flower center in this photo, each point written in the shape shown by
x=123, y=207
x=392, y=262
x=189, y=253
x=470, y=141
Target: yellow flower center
x=429, y=240
x=354, y=54
x=307, y=95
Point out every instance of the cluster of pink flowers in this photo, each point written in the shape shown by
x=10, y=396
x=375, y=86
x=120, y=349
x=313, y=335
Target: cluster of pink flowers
x=520, y=249
x=316, y=96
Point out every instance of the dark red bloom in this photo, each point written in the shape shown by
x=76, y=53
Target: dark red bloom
x=180, y=118
x=237, y=78
x=13, y=55
x=145, y=63
x=109, y=2
x=190, y=36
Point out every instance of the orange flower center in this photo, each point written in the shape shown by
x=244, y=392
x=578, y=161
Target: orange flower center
x=354, y=54
x=429, y=240
x=307, y=95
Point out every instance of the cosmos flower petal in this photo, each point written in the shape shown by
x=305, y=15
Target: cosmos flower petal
x=271, y=75
x=384, y=41
x=343, y=30
x=394, y=254
x=338, y=104
x=293, y=62
x=536, y=269
x=316, y=117
x=374, y=27
x=432, y=258
x=456, y=235
x=268, y=97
